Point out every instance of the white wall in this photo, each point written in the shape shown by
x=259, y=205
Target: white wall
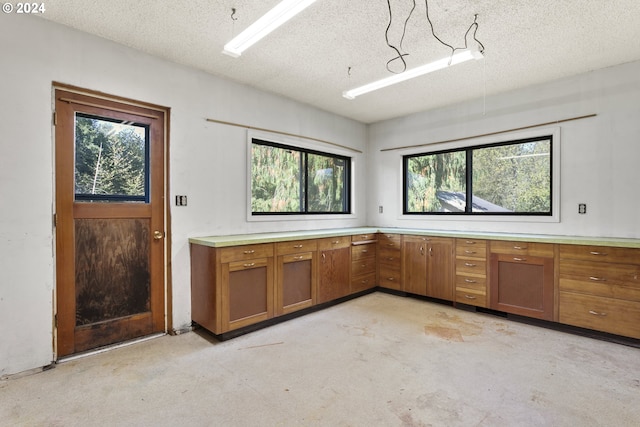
x=598, y=163
x=207, y=162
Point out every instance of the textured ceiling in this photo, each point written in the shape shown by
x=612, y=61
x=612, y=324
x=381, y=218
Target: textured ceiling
x=336, y=45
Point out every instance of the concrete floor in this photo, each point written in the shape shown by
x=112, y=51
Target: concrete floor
x=379, y=360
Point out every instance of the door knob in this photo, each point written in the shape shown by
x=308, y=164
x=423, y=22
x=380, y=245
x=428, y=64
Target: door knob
x=157, y=235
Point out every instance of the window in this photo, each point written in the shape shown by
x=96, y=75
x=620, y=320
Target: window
x=111, y=160
x=291, y=180
x=507, y=178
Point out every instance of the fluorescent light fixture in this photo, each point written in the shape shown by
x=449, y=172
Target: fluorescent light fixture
x=271, y=20
x=457, y=58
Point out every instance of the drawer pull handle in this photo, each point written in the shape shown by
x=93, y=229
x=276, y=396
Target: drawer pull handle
x=596, y=313
x=598, y=253
x=597, y=279
x=297, y=246
x=391, y=244
x=251, y=264
x=298, y=257
x=390, y=258
x=364, y=251
x=469, y=297
x=364, y=265
x=468, y=264
x=469, y=281
x=469, y=252
x=470, y=242
x=335, y=242
x=249, y=252
x=520, y=248
x=519, y=259
x=365, y=281
x=391, y=279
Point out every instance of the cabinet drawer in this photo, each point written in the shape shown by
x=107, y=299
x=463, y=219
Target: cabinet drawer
x=603, y=279
x=389, y=240
x=602, y=314
x=471, y=248
x=601, y=254
x=248, y=264
x=283, y=248
x=239, y=253
x=363, y=266
x=363, y=251
x=473, y=267
x=465, y=296
x=361, y=283
x=478, y=284
x=389, y=277
x=544, y=250
x=363, y=237
x=297, y=257
x=389, y=256
x=334, y=243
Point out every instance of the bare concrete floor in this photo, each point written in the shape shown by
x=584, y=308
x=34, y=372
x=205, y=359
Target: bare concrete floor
x=379, y=360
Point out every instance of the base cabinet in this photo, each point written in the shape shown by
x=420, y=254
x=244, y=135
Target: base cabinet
x=471, y=272
x=334, y=267
x=363, y=262
x=296, y=271
x=427, y=265
x=600, y=289
x=522, y=279
x=390, y=261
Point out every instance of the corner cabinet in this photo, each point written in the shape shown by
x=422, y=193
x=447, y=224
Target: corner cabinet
x=522, y=278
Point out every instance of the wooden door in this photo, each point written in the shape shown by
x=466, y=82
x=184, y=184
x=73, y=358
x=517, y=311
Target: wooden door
x=110, y=225
x=414, y=265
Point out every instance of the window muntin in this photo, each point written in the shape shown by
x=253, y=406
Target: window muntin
x=292, y=180
x=508, y=178
x=111, y=160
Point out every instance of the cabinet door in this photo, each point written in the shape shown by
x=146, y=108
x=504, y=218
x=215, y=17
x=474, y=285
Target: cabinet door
x=295, y=282
x=247, y=288
x=334, y=268
x=440, y=268
x=414, y=262
x=522, y=285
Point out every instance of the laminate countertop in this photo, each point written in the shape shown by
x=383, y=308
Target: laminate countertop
x=248, y=239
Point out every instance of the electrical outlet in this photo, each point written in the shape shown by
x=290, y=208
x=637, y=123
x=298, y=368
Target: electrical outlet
x=582, y=208
x=380, y=209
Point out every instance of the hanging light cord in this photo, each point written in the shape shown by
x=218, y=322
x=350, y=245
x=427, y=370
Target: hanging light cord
x=473, y=26
x=398, y=50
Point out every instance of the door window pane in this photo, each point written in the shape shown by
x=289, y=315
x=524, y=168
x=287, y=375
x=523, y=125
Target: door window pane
x=111, y=160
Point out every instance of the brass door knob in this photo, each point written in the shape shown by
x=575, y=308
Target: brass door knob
x=157, y=235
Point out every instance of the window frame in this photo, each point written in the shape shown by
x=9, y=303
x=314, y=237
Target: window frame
x=550, y=133
x=304, y=146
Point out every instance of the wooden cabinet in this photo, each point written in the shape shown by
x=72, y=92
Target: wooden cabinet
x=427, y=266
x=522, y=278
x=363, y=262
x=389, y=261
x=334, y=266
x=296, y=272
x=231, y=287
x=600, y=288
x=471, y=272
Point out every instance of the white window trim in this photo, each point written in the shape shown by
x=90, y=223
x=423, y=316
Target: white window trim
x=304, y=144
x=554, y=131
